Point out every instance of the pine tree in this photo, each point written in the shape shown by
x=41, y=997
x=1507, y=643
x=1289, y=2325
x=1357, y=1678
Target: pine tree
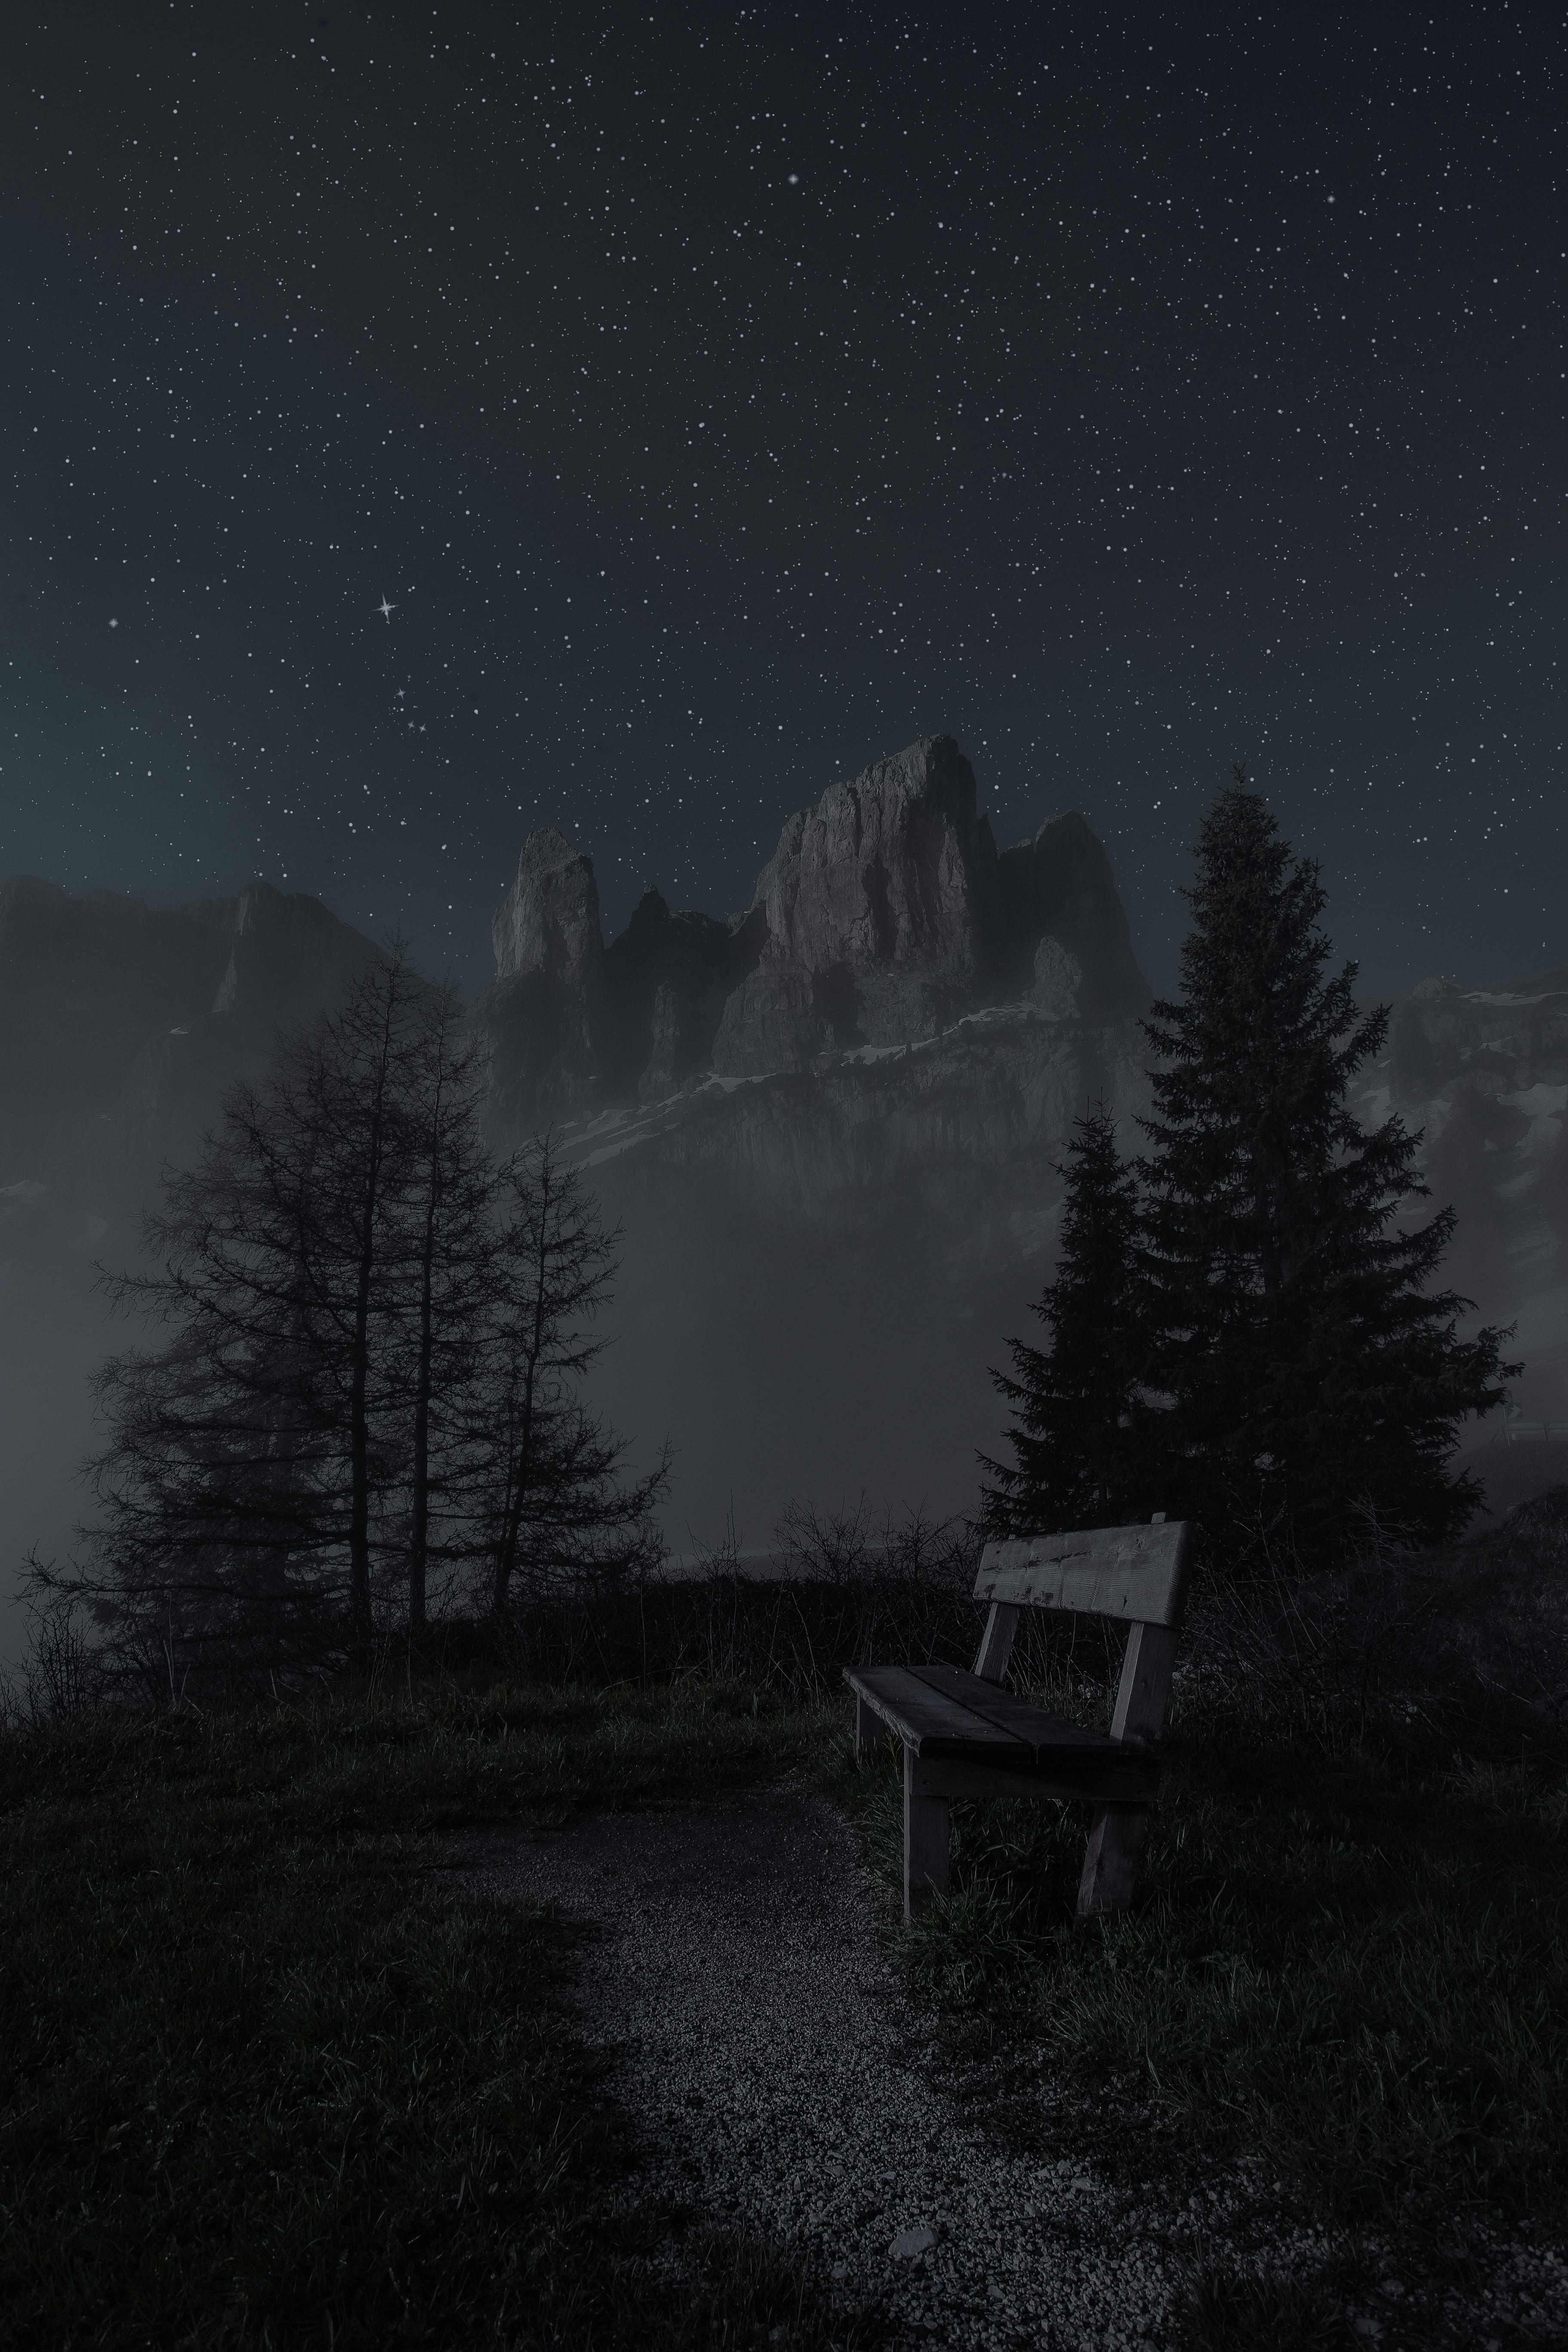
x=367, y=1337
x=1313, y=1374
x=253, y=1471
x=553, y=1504
x=448, y=1233
x=338, y=1154
x=1078, y=1460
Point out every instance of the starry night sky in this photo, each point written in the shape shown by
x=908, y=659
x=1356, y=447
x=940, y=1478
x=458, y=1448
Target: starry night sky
x=721, y=398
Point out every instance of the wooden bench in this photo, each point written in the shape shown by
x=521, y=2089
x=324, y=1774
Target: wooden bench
x=965, y=1736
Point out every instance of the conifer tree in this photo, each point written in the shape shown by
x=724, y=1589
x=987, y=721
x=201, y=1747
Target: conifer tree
x=366, y=1340
x=553, y=1506
x=447, y=1233
x=1077, y=1461
x=1313, y=1373
x=253, y=1471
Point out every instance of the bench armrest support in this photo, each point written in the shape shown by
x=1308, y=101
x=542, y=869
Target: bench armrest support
x=1117, y=1833
x=1144, y=1690
x=996, y=1641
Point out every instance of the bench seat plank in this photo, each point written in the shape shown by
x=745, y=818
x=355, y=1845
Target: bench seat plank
x=1035, y=1753
x=932, y=1724
x=1049, y=1738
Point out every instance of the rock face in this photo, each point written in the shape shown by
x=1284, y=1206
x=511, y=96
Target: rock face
x=881, y=911
x=1058, y=890
x=572, y=1025
x=884, y=915
x=549, y=920
x=869, y=912
x=666, y=979
x=539, y=1016
x=893, y=871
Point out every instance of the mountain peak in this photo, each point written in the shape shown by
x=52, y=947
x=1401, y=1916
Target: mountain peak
x=884, y=915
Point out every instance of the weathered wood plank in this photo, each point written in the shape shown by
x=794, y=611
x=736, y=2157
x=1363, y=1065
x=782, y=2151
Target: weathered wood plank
x=930, y=1723
x=926, y=1825
x=1044, y=1734
x=1137, y=1573
x=996, y=1641
x=1118, y=1830
x=1145, y=1691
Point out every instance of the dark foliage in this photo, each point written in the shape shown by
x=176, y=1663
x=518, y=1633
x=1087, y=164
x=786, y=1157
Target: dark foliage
x=837, y=1590
x=555, y=1512
x=368, y=1339
x=1312, y=1372
x=1079, y=1459
x=1458, y=1650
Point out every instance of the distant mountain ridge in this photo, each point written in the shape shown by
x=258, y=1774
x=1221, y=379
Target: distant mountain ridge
x=121, y=1022
x=885, y=918
x=885, y=915
x=828, y=1124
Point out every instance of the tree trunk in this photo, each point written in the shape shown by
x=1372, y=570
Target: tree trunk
x=359, y=1395
x=359, y=1449
x=419, y=1528
x=521, y=1434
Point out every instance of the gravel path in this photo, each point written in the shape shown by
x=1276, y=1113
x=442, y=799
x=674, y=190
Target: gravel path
x=980, y=2198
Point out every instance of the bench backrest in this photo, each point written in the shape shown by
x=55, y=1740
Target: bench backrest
x=1137, y=1573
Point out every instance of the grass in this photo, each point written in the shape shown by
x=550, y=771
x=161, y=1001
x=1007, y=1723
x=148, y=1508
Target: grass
x=1364, y=1969
x=1228, y=2314
x=266, y=2083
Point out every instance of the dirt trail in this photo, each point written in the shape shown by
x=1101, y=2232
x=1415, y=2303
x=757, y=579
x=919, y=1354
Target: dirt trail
x=984, y=2200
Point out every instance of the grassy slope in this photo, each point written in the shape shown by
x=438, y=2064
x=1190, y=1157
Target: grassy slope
x=265, y=2083
x=1367, y=1970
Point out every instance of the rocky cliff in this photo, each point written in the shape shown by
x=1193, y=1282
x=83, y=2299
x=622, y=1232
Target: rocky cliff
x=885, y=915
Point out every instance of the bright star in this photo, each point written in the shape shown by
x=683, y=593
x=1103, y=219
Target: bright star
x=386, y=609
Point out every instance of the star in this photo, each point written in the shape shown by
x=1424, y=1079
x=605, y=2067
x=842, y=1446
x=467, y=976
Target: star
x=386, y=609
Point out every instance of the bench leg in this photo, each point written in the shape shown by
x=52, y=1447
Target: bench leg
x=869, y=1730
x=925, y=1845
x=1111, y=1866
